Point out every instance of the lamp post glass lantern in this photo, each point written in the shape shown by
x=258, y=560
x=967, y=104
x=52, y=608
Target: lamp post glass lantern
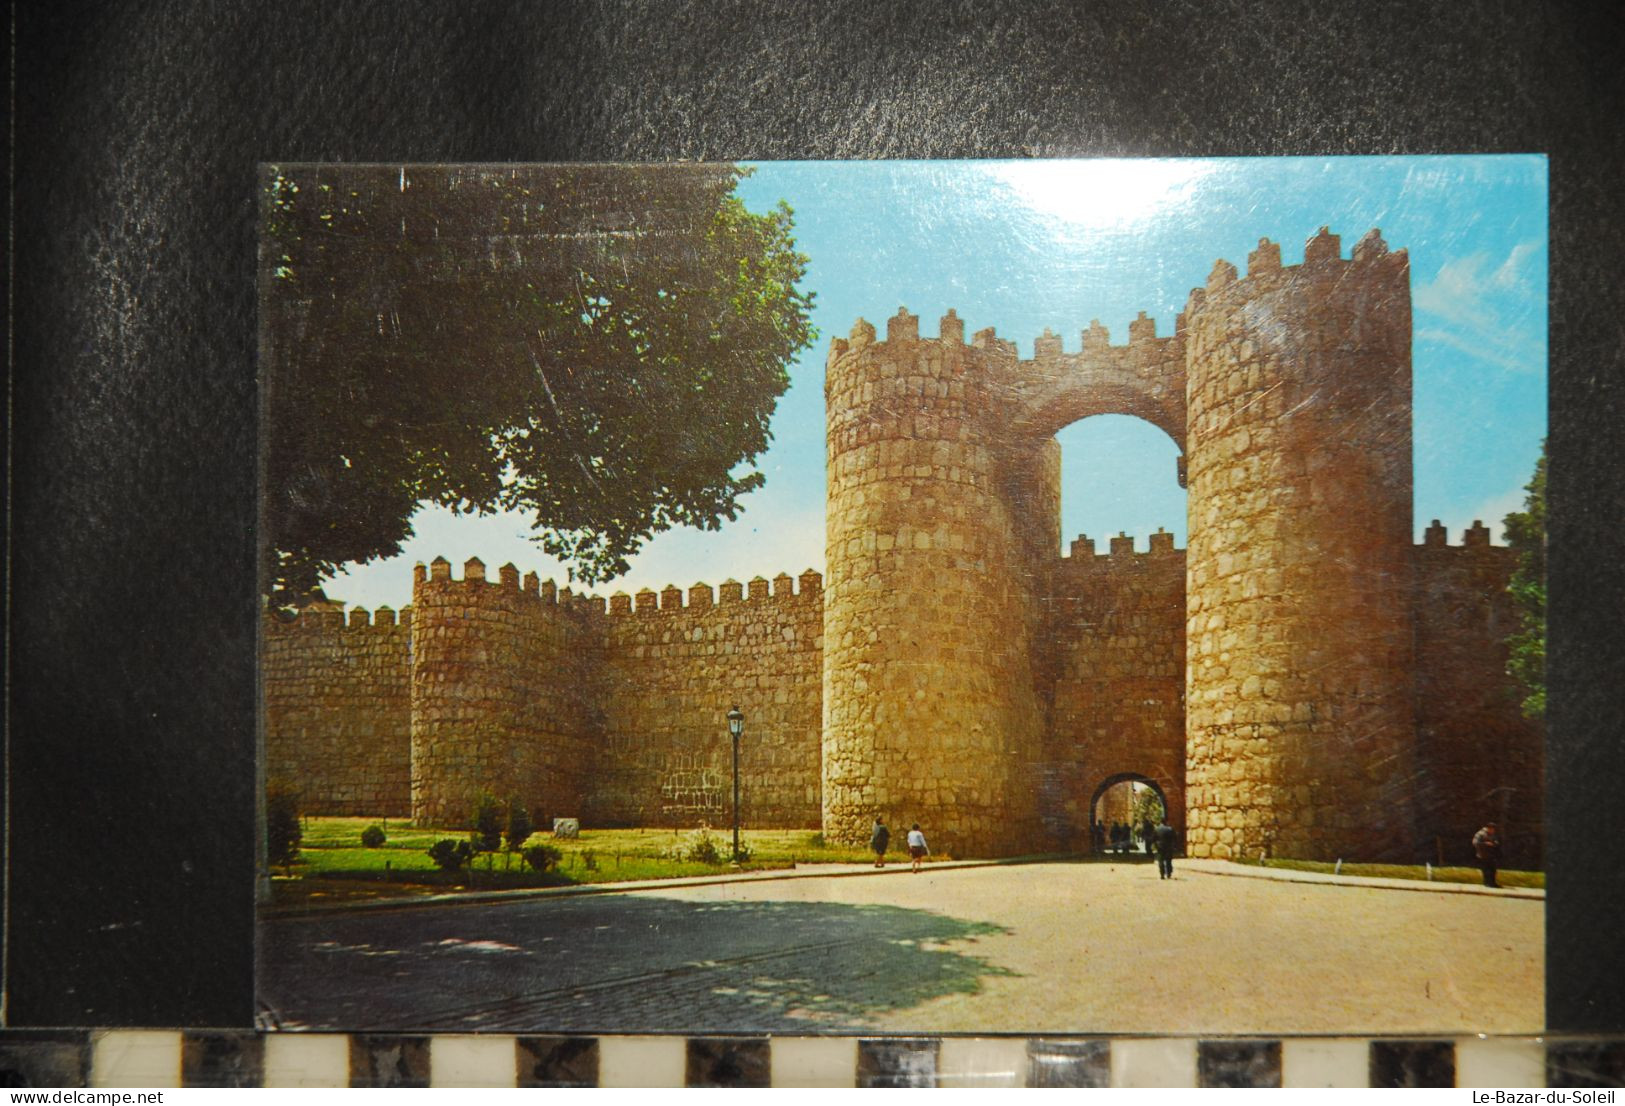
x=736, y=727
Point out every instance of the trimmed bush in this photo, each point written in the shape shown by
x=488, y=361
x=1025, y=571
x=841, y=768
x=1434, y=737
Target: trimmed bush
x=519, y=827
x=543, y=857
x=282, y=830
x=450, y=855
x=373, y=837
x=486, y=823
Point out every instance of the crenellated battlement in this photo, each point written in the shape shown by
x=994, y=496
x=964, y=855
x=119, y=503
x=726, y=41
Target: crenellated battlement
x=1322, y=258
x=1474, y=538
x=475, y=585
x=1082, y=555
x=701, y=597
x=903, y=330
x=334, y=618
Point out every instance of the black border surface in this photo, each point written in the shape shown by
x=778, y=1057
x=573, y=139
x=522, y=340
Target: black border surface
x=136, y=131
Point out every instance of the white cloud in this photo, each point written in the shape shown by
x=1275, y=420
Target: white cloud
x=1514, y=353
x=1479, y=305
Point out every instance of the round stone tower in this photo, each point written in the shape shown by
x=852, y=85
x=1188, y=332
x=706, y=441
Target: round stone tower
x=481, y=719
x=1299, y=685
x=930, y=714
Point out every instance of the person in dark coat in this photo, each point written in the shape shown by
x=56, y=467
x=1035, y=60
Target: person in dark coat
x=1148, y=834
x=878, y=840
x=1487, y=847
x=1165, y=836
x=1097, y=836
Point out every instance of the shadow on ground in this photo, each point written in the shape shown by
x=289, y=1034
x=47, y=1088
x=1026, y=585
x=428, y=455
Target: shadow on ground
x=611, y=963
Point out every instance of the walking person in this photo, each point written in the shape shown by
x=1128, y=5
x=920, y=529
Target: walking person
x=1165, y=848
x=917, y=849
x=1148, y=836
x=1487, y=847
x=878, y=840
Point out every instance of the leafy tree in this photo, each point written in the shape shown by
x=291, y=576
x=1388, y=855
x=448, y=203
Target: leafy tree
x=1147, y=804
x=283, y=832
x=599, y=347
x=1526, y=533
x=485, y=822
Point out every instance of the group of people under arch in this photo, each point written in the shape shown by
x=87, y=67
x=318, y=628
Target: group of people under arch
x=1139, y=824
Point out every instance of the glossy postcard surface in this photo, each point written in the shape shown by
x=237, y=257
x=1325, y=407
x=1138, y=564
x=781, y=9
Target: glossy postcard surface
x=918, y=597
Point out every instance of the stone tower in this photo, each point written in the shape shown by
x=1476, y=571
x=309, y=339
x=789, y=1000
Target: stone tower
x=930, y=712
x=1289, y=392
x=1300, y=711
x=480, y=719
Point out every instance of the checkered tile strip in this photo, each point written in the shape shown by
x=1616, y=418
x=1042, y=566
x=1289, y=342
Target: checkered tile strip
x=161, y=1058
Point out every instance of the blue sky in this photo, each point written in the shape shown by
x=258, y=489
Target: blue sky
x=1026, y=245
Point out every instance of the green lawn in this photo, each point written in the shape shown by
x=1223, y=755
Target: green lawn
x=1409, y=871
x=334, y=865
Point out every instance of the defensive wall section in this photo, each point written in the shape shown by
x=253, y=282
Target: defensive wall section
x=337, y=708
x=1302, y=680
x=1478, y=757
x=609, y=711
x=1117, y=620
x=644, y=680
x=670, y=671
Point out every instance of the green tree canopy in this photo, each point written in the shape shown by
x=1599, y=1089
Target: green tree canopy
x=1526, y=533
x=599, y=347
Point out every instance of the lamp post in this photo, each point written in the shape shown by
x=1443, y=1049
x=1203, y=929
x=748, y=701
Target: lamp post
x=736, y=726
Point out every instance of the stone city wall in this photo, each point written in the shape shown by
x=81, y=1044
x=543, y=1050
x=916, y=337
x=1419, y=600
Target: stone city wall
x=670, y=672
x=1118, y=621
x=337, y=709
x=1478, y=758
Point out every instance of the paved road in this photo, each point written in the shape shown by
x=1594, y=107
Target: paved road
x=1039, y=948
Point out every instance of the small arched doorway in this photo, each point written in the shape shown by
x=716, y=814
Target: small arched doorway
x=1124, y=799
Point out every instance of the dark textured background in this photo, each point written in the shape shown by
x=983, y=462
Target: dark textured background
x=137, y=130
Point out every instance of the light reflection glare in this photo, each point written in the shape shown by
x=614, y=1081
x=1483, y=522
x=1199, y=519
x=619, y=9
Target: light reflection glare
x=1102, y=194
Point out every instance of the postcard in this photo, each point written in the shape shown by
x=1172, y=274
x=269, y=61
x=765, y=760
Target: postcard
x=1043, y=597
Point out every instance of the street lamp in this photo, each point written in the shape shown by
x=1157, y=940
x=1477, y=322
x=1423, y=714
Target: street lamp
x=736, y=726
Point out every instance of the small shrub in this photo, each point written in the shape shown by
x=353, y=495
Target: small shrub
x=373, y=837
x=519, y=827
x=485, y=822
x=282, y=829
x=543, y=857
x=744, y=854
x=450, y=855
x=703, y=848
x=818, y=841
x=589, y=860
